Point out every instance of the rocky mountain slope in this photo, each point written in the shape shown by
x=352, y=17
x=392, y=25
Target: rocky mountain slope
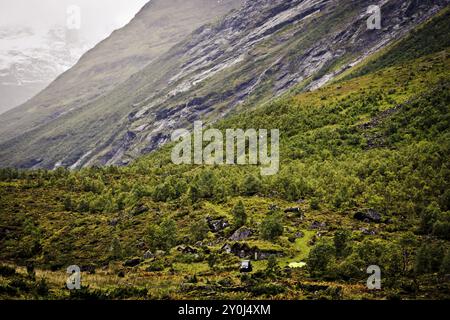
x=363, y=182
x=156, y=28
x=252, y=54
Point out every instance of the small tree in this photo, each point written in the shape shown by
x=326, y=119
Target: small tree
x=212, y=260
x=272, y=266
x=320, y=258
x=251, y=185
x=429, y=258
x=240, y=216
x=163, y=236
x=340, y=239
x=272, y=227
x=116, y=249
x=408, y=244
x=445, y=267
x=199, y=230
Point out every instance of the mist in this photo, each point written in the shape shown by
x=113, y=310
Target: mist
x=98, y=18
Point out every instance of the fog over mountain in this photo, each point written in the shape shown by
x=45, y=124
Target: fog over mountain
x=36, y=44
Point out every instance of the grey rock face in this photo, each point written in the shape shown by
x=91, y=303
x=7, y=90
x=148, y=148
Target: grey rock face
x=241, y=234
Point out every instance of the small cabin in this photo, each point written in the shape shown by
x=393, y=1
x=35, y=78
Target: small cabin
x=246, y=266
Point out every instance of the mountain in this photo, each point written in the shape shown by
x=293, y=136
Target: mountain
x=30, y=60
x=363, y=185
x=156, y=28
x=256, y=52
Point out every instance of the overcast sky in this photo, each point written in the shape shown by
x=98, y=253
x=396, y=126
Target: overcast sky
x=98, y=17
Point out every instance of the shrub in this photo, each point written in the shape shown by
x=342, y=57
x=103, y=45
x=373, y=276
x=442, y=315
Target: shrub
x=240, y=216
x=272, y=227
x=429, y=258
x=7, y=271
x=251, y=185
x=270, y=289
x=42, y=288
x=163, y=236
x=199, y=230
x=340, y=239
x=320, y=258
x=445, y=267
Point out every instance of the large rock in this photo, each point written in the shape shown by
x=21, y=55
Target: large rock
x=216, y=225
x=368, y=216
x=241, y=234
x=132, y=262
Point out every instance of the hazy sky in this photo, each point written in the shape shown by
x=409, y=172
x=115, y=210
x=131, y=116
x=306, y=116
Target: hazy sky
x=98, y=17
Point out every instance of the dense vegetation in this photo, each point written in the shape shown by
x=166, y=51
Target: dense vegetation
x=364, y=172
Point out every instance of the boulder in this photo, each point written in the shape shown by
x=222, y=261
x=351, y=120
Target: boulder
x=368, y=216
x=318, y=225
x=216, y=225
x=132, y=262
x=241, y=234
x=148, y=255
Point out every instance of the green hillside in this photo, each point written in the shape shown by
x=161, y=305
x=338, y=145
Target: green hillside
x=365, y=160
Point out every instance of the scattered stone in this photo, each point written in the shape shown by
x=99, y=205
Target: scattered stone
x=292, y=210
x=132, y=262
x=141, y=245
x=368, y=216
x=368, y=232
x=296, y=236
x=241, y=234
x=148, y=255
x=273, y=207
x=318, y=225
x=138, y=210
x=160, y=253
x=121, y=274
x=114, y=222
x=88, y=268
x=187, y=250
x=216, y=225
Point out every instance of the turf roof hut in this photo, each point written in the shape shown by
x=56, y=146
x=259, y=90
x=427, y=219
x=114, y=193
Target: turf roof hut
x=246, y=266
